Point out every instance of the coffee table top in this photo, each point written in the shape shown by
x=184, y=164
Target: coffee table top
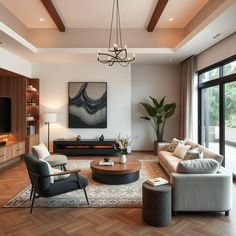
x=132, y=165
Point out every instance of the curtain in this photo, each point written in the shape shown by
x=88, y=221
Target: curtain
x=186, y=98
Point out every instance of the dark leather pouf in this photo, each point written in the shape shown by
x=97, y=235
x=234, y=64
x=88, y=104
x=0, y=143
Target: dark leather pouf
x=157, y=204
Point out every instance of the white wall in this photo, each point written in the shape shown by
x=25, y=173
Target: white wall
x=11, y=62
x=218, y=52
x=54, y=80
x=156, y=81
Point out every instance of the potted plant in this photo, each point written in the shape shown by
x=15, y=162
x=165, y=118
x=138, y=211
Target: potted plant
x=157, y=115
x=122, y=144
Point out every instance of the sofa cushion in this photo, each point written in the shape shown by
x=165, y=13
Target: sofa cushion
x=191, y=143
x=174, y=144
x=169, y=161
x=198, y=166
x=210, y=154
x=194, y=153
x=181, y=150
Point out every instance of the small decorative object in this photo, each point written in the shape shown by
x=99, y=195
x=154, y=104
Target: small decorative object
x=106, y=159
x=101, y=138
x=122, y=144
x=78, y=137
x=31, y=88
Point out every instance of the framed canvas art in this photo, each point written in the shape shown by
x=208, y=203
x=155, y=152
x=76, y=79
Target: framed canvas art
x=87, y=104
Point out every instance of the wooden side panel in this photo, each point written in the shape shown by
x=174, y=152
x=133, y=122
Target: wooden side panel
x=31, y=141
x=15, y=88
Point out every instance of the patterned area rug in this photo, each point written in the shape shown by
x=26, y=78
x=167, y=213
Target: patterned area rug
x=100, y=195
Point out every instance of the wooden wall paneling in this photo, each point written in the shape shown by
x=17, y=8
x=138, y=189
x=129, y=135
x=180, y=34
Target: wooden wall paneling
x=15, y=88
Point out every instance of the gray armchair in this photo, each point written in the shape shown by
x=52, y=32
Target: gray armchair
x=40, y=180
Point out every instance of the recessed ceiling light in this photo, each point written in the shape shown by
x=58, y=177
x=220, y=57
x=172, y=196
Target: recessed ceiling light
x=41, y=19
x=171, y=19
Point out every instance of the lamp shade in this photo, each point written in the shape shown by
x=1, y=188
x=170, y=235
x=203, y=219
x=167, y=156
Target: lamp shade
x=50, y=117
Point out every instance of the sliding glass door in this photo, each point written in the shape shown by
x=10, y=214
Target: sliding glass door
x=210, y=118
x=230, y=125
x=217, y=110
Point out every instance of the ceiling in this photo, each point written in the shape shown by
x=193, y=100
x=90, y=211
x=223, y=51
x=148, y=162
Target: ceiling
x=90, y=14
x=87, y=25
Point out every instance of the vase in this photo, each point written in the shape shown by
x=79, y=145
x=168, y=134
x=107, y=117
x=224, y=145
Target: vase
x=123, y=159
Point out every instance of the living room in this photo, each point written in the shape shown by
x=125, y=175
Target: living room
x=184, y=43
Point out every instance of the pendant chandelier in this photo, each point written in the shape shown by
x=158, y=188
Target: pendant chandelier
x=117, y=53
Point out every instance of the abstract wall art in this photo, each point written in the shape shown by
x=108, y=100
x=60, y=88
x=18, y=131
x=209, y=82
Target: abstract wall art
x=87, y=104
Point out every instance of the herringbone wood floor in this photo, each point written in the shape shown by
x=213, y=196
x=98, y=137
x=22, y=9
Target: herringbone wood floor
x=93, y=221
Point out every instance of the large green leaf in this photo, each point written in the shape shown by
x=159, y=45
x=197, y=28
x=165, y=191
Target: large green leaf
x=150, y=110
x=162, y=101
x=155, y=102
x=145, y=117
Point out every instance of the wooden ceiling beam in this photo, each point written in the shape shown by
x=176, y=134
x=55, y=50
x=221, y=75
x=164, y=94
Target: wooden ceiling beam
x=161, y=4
x=54, y=15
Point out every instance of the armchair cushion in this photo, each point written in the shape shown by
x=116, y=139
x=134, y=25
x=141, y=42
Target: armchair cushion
x=40, y=151
x=50, y=170
x=59, y=177
x=65, y=185
x=55, y=159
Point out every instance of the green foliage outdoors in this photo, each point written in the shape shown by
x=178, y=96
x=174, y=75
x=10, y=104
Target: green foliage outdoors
x=211, y=98
x=157, y=114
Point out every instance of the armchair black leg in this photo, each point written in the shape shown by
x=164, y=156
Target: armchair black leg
x=32, y=203
x=64, y=167
x=85, y=193
x=31, y=192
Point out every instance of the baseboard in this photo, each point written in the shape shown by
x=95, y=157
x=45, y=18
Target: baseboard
x=8, y=163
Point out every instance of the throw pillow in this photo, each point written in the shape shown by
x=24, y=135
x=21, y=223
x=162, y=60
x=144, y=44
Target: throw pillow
x=191, y=143
x=50, y=170
x=181, y=150
x=174, y=144
x=198, y=166
x=59, y=177
x=193, y=154
x=41, y=151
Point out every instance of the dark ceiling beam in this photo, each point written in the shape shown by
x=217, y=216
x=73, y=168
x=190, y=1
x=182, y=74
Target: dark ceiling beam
x=54, y=15
x=161, y=4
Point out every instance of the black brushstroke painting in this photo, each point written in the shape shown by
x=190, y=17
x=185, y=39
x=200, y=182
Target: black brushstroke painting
x=87, y=105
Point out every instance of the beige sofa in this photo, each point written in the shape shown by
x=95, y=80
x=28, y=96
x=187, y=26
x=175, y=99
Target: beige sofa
x=197, y=192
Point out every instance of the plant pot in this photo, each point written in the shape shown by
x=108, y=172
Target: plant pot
x=122, y=159
x=156, y=146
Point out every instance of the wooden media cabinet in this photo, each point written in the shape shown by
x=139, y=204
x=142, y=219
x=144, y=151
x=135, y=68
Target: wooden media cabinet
x=85, y=147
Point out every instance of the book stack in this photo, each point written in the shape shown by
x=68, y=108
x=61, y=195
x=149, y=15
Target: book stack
x=157, y=181
x=106, y=163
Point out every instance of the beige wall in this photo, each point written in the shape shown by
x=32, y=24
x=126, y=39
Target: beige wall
x=157, y=81
x=218, y=52
x=54, y=80
x=11, y=62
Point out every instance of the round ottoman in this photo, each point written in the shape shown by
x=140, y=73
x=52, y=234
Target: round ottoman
x=156, y=204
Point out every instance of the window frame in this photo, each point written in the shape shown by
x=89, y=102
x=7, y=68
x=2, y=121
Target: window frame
x=221, y=81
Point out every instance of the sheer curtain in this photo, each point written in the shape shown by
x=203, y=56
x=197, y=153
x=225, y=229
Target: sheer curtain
x=188, y=109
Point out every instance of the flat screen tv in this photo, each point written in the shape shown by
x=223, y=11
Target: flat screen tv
x=5, y=115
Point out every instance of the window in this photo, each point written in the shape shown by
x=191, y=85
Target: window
x=209, y=75
x=229, y=68
x=217, y=110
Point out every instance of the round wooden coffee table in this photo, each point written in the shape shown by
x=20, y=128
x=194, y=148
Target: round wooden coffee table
x=117, y=174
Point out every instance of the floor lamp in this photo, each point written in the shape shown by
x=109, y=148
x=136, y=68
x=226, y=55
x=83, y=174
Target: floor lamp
x=49, y=117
